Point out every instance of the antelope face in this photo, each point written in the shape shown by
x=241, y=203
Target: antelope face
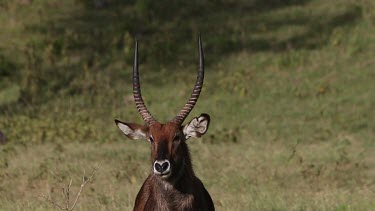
x=167, y=140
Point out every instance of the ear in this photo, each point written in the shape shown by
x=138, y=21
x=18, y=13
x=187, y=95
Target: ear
x=133, y=131
x=197, y=127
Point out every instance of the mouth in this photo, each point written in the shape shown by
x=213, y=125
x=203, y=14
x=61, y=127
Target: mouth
x=164, y=175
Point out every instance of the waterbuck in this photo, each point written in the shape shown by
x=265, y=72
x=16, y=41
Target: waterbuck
x=172, y=184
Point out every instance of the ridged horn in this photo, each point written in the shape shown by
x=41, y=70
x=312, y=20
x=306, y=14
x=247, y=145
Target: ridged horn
x=142, y=110
x=179, y=119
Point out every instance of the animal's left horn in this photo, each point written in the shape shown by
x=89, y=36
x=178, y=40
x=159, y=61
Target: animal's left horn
x=179, y=119
x=142, y=110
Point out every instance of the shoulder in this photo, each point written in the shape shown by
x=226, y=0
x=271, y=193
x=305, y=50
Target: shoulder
x=144, y=195
x=204, y=198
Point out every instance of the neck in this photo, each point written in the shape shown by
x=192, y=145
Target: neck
x=185, y=172
x=181, y=172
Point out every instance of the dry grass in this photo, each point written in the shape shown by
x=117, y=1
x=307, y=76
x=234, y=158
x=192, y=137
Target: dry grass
x=247, y=175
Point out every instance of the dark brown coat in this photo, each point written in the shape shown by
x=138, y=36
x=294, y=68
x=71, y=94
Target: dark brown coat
x=185, y=192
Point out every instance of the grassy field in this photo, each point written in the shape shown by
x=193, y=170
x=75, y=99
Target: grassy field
x=290, y=87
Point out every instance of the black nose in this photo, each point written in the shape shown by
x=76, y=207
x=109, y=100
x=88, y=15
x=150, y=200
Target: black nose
x=161, y=166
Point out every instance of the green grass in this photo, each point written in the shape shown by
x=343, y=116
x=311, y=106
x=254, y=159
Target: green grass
x=289, y=87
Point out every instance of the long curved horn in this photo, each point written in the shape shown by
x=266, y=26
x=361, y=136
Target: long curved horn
x=142, y=110
x=179, y=119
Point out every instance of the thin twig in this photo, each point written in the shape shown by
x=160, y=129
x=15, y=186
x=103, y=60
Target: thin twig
x=68, y=194
x=82, y=185
x=52, y=202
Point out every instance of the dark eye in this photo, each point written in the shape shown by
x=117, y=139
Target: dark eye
x=151, y=139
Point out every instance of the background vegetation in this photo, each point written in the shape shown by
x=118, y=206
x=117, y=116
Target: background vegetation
x=289, y=86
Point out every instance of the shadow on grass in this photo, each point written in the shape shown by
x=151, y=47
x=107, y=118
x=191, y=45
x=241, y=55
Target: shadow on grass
x=169, y=28
x=101, y=32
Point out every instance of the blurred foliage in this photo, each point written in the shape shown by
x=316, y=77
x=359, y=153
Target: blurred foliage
x=71, y=42
x=6, y=67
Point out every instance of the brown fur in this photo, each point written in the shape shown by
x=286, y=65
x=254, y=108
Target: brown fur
x=182, y=190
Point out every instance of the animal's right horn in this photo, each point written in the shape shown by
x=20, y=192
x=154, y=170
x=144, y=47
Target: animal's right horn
x=142, y=110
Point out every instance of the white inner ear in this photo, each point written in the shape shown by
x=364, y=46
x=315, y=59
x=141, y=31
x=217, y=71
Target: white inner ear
x=129, y=132
x=196, y=127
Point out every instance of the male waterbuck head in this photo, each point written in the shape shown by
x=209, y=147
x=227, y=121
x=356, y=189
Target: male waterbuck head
x=171, y=163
